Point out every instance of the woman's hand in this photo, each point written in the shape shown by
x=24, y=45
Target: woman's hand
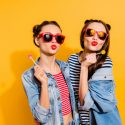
x=89, y=59
x=44, y=95
x=40, y=75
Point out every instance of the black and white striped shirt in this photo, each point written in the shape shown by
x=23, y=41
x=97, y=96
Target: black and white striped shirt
x=75, y=67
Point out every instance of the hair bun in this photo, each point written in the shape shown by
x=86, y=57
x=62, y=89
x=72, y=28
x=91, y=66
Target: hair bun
x=86, y=21
x=35, y=28
x=109, y=27
x=91, y=20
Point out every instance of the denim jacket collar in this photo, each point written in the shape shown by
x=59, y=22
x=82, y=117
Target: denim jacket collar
x=61, y=64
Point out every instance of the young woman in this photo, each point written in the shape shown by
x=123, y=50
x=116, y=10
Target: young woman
x=92, y=78
x=47, y=84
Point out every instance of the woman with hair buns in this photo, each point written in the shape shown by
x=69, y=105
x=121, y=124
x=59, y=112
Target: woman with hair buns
x=92, y=78
x=47, y=83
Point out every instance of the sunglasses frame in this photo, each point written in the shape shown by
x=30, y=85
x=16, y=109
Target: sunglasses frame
x=53, y=35
x=97, y=32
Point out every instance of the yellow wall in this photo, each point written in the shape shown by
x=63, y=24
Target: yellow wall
x=17, y=18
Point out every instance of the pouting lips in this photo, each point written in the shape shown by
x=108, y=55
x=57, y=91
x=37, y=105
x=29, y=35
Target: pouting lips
x=94, y=43
x=53, y=47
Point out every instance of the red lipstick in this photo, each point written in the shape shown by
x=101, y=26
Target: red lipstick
x=53, y=47
x=94, y=43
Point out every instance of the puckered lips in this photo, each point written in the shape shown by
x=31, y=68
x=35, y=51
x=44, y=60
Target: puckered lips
x=94, y=43
x=53, y=47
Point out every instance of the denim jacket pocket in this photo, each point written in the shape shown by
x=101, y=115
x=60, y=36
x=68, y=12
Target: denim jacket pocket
x=108, y=86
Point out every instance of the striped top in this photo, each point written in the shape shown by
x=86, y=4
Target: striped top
x=75, y=76
x=63, y=88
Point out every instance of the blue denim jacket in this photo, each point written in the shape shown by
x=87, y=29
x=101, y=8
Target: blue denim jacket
x=53, y=115
x=100, y=99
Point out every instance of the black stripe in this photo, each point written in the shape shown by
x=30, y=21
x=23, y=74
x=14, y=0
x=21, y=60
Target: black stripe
x=75, y=75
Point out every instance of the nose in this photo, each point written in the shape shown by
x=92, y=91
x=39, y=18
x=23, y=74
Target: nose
x=95, y=37
x=54, y=39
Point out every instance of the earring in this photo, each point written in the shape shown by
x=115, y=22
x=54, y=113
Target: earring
x=103, y=52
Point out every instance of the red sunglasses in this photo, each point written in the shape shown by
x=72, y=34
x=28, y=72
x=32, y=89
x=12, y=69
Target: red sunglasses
x=47, y=37
x=91, y=32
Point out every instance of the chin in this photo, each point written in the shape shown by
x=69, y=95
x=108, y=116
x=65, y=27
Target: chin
x=94, y=49
x=51, y=54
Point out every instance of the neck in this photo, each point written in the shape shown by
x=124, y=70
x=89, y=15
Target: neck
x=48, y=63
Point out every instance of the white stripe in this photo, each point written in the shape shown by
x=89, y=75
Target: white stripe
x=75, y=75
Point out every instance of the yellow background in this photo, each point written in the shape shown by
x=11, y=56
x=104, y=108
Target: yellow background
x=17, y=17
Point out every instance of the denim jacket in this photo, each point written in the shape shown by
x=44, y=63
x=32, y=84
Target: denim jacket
x=100, y=99
x=53, y=115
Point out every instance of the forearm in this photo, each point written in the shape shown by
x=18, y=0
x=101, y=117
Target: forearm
x=44, y=96
x=42, y=110
x=83, y=85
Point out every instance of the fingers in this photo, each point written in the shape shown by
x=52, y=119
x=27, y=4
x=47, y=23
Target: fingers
x=88, y=57
x=36, y=67
x=39, y=73
x=38, y=70
x=91, y=58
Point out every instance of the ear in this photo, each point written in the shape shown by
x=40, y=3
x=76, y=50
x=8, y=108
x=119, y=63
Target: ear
x=36, y=41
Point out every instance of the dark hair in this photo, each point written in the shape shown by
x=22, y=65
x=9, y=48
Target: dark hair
x=100, y=58
x=37, y=28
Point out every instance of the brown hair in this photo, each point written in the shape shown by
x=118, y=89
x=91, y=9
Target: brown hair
x=37, y=28
x=100, y=58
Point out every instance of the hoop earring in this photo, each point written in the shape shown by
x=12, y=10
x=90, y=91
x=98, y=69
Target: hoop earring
x=101, y=53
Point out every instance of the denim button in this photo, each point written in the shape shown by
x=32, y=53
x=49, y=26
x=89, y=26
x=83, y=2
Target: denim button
x=58, y=98
x=60, y=111
x=48, y=75
x=56, y=86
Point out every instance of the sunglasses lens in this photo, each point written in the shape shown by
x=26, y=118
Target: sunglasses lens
x=102, y=35
x=47, y=37
x=59, y=39
x=90, y=32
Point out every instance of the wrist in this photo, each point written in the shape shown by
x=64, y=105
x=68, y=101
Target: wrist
x=83, y=66
x=44, y=85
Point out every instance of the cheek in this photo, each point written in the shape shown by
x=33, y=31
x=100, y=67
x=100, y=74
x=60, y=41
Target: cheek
x=87, y=41
x=43, y=45
x=58, y=47
x=101, y=43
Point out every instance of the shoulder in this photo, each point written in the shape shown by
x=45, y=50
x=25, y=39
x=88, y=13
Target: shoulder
x=73, y=58
x=61, y=62
x=108, y=59
x=75, y=55
x=28, y=74
x=105, y=72
x=107, y=63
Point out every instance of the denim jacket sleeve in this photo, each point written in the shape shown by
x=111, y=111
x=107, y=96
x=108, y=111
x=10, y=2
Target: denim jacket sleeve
x=31, y=89
x=100, y=96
